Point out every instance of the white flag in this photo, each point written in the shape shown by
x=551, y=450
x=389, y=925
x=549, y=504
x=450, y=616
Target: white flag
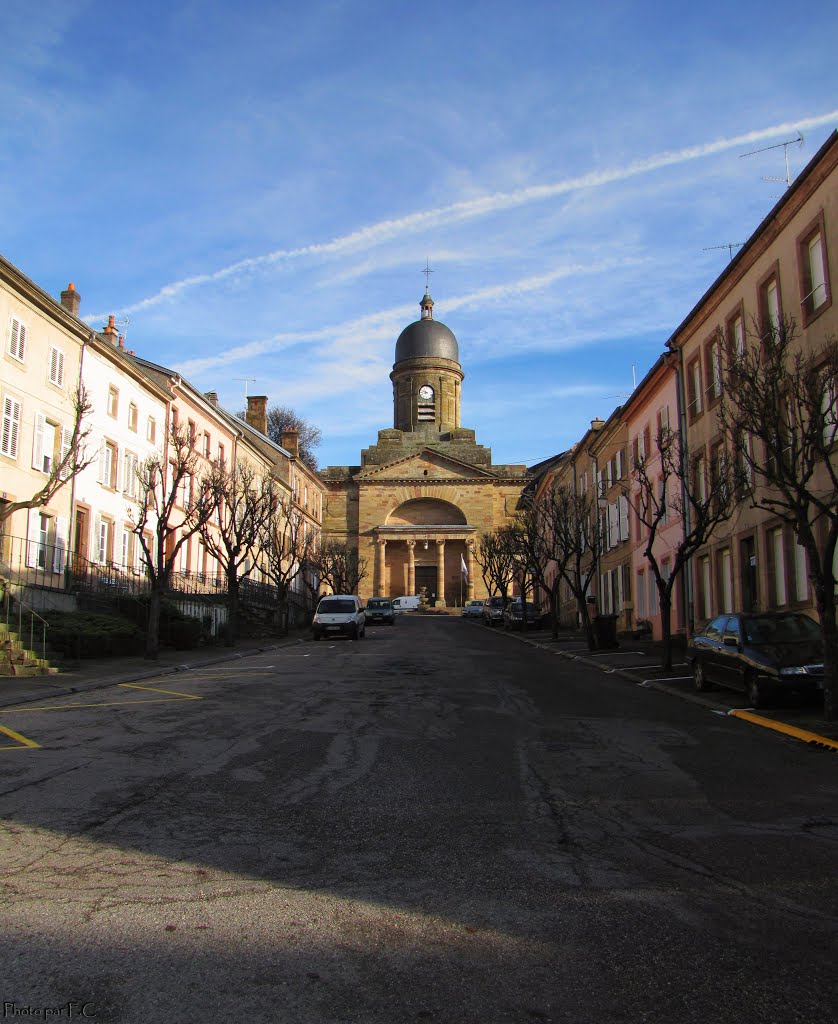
x=464, y=568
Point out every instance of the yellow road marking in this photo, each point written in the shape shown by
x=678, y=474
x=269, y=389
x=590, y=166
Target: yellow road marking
x=788, y=730
x=22, y=741
x=156, y=689
x=176, y=695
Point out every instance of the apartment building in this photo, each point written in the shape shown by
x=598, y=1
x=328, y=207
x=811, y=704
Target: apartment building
x=42, y=348
x=608, y=450
x=785, y=269
x=127, y=425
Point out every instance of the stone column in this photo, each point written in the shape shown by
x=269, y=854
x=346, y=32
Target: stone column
x=470, y=564
x=411, y=568
x=440, y=574
x=381, y=569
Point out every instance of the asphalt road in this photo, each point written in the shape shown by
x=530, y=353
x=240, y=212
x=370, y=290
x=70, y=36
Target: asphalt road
x=437, y=823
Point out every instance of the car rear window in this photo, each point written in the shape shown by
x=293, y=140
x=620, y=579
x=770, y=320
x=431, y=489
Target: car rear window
x=336, y=607
x=781, y=629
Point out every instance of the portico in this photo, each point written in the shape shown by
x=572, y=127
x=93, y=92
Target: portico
x=405, y=554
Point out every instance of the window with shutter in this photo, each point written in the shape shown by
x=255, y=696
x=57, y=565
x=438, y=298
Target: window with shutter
x=11, y=427
x=66, y=446
x=56, y=367
x=17, y=340
x=59, y=555
x=623, y=505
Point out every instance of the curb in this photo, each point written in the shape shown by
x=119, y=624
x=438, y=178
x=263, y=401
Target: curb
x=167, y=670
x=811, y=738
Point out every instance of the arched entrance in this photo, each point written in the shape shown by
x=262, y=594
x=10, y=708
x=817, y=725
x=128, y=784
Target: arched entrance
x=426, y=545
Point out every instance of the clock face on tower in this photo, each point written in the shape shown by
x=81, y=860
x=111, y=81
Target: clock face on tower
x=426, y=393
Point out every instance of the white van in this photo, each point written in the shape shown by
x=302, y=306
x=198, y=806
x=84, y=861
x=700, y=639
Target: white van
x=339, y=615
x=406, y=604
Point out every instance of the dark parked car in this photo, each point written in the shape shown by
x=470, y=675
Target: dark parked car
x=761, y=654
x=380, y=609
x=513, y=614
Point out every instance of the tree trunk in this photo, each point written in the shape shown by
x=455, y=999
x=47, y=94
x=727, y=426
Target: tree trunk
x=665, y=598
x=587, y=625
x=232, y=608
x=553, y=598
x=826, y=614
x=152, y=638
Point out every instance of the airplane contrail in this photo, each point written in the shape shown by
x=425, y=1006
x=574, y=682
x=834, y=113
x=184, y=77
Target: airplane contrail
x=478, y=207
x=382, y=322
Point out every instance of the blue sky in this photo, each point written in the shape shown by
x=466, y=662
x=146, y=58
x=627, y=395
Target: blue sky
x=256, y=187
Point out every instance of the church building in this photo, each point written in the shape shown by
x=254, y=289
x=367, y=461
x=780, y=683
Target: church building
x=422, y=496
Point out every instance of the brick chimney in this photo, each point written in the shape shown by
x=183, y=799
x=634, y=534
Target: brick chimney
x=70, y=299
x=257, y=413
x=212, y=398
x=291, y=442
x=111, y=332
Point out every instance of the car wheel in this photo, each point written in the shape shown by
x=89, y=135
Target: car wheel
x=754, y=690
x=699, y=676
x=363, y=632
x=315, y=635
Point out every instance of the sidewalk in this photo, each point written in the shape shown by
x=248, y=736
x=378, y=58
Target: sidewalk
x=639, y=661
x=98, y=673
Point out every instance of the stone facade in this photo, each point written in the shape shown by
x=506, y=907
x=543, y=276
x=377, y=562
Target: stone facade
x=422, y=497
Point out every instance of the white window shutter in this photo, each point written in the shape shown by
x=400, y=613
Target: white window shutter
x=613, y=525
x=817, y=272
x=66, y=445
x=624, y=517
x=38, y=442
x=33, y=538
x=11, y=426
x=103, y=462
x=59, y=556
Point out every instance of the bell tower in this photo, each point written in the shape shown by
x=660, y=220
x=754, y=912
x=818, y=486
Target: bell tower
x=426, y=375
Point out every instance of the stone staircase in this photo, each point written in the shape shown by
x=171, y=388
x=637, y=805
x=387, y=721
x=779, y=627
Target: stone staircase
x=18, y=660
x=20, y=624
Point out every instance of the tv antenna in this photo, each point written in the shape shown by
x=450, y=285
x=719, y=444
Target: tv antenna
x=789, y=142
x=730, y=246
x=120, y=322
x=245, y=381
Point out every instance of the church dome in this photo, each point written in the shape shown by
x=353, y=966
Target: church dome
x=427, y=337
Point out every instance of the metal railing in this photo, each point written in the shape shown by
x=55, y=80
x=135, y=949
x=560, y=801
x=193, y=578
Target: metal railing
x=16, y=612
x=52, y=569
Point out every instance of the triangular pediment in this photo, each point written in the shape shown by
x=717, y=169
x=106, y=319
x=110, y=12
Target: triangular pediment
x=425, y=464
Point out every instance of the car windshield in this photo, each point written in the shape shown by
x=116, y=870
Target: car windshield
x=378, y=602
x=780, y=629
x=496, y=602
x=474, y=604
x=335, y=607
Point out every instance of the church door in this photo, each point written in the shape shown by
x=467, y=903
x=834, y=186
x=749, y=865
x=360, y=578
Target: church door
x=426, y=578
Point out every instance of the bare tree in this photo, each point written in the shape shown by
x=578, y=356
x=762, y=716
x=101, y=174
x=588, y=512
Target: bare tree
x=339, y=566
x=672, y=484
x=175, y=501
x=71, y=458
x=281, y=417
x=243, y=503
x=288, y=546
x=572, y=523
x=496, y=554
x=779, y=410
x=535, y=555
